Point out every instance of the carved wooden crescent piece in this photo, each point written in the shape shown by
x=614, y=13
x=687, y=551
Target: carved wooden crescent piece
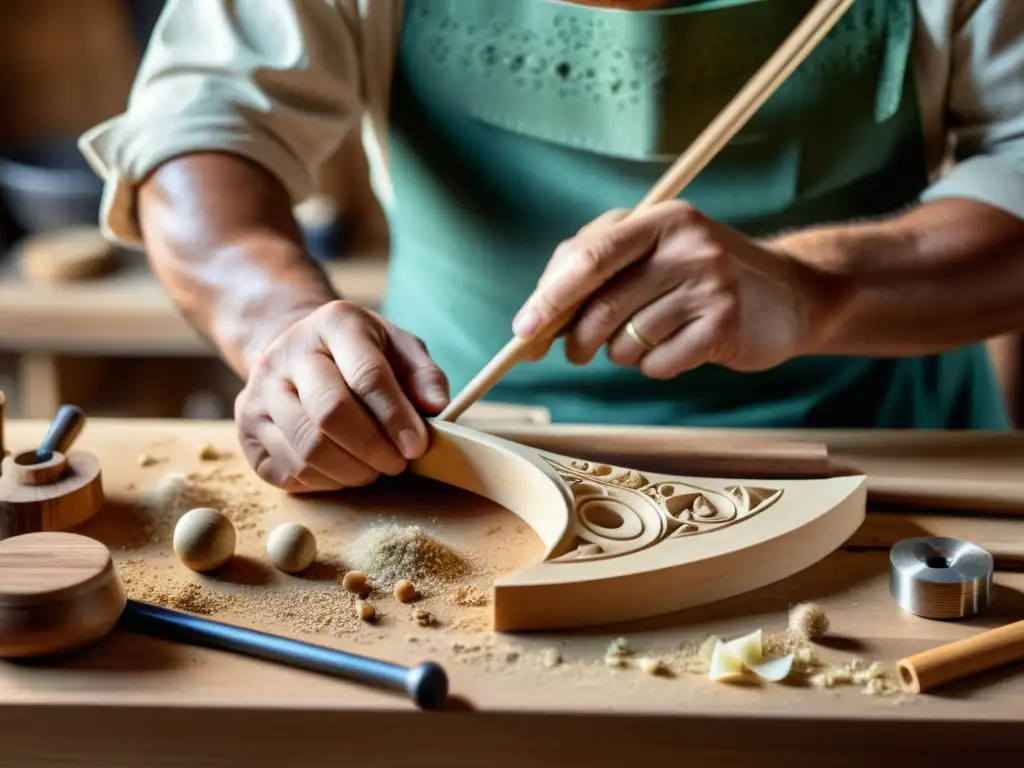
x=623, y=545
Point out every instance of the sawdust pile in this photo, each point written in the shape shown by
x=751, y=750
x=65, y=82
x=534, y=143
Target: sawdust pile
x=390, y=552
x=145, y=583
x=175, y=493
x=310, y=609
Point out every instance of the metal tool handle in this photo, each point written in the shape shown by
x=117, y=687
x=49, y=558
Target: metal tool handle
x=426, y=684
x=64, y=430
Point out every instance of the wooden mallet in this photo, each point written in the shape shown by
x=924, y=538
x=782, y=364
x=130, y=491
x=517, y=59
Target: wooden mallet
x=60, y=592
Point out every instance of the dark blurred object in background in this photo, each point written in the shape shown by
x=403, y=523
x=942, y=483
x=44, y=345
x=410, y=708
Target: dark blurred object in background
x=323, y=229
x=46, y=184
x=143, y=15
x=7, y=229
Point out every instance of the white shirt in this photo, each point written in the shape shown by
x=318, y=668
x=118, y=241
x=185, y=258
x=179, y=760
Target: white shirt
x=283, y=82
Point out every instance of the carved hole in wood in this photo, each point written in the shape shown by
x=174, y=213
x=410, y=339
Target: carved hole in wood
x=27, y=469
x=622, y=544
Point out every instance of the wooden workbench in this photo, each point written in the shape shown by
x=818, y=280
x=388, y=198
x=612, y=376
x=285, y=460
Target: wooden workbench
x=124, y=315
x=133, y=701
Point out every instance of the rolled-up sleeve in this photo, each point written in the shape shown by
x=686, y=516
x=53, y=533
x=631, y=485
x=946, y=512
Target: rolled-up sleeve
x=274, y=81
x=985, y=108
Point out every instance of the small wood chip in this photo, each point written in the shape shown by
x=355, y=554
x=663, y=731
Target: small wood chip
x=365, y=610
x=355, y=582
x=208, y=453
x=422, y=617
x=551, y=658
x=405, y=592
x=650, y=666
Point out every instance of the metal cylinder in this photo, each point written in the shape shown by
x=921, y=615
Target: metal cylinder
x=940, y=578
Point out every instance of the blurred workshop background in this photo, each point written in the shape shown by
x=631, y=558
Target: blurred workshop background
x=82, y=323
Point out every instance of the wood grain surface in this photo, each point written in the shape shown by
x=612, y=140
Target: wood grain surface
x=132, y=700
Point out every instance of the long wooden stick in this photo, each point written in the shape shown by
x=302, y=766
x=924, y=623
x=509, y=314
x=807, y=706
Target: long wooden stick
x=955, y=661
x=773, y=73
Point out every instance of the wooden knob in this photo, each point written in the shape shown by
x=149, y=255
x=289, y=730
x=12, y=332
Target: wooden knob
x=52, y=495
x=58, y=592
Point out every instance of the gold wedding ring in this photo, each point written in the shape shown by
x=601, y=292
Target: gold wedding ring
x=638, y=337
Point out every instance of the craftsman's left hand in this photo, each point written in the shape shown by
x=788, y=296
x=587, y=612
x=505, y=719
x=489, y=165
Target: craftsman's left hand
x=695, y=290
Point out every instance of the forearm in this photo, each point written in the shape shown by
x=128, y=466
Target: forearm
x=221, y=237
x=945, y=274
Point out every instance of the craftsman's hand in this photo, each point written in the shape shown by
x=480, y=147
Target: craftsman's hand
x=335, y=401
x=697, y=291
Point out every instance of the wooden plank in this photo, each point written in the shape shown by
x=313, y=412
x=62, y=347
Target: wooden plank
x=929, y=469
x=1002, y=536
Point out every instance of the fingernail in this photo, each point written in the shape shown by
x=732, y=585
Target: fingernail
x=526, y=322
x=408, y=442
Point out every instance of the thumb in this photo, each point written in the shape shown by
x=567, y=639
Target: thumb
x=583, y=264
x=421, y=378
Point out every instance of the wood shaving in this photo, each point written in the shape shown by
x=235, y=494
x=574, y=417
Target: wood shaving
x=651, y=665
x=872, y=678
x=469, y=597
x=808, y=621
x=551, y=658
x=618, y=647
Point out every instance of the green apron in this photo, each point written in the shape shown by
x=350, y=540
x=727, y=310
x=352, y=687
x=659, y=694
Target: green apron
x=515, y=122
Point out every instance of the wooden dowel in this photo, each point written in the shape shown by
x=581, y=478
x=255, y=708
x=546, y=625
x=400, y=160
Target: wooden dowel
x=955, y=661
x=772, y=74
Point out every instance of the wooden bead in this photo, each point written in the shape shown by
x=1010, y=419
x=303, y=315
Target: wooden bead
x=355, y=582
x=59, y=591
x=365, y=610
x=291, y=547
x=204, y=539
x=405, y=592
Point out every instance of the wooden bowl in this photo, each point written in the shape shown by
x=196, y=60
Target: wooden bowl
x=58, y=592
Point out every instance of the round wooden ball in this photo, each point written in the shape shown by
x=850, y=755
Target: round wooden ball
x=59, y=592
x=291, y=547
x=204, y=539
x=52, y=495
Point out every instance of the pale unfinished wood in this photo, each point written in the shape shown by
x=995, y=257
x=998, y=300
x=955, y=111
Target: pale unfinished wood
x=53, y=495
x=57, y=593
x=811, y=30
x=939, y=666
x=622, y=544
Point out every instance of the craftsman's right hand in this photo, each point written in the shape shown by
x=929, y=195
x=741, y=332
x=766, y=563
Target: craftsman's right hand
x=336, y=401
